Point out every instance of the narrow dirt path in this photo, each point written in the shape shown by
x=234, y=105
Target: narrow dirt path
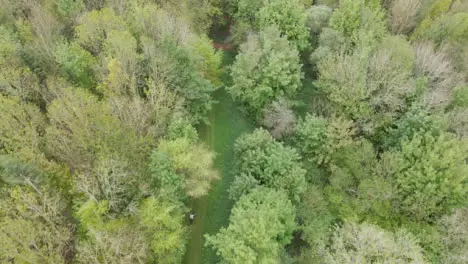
x=212, y=212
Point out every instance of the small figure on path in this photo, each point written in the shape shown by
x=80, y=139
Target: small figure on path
x=192, y=217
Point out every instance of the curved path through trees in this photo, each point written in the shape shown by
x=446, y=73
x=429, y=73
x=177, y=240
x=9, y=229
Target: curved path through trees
x=212, y=211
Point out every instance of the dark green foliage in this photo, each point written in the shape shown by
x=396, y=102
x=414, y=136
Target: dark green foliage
x=261, y=161
x=76, y=64
x=179, y=72
x=261, y=223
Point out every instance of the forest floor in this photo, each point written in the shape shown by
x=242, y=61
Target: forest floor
x=227, y=123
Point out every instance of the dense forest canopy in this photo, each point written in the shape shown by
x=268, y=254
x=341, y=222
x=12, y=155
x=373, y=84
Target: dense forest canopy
x=359, y=155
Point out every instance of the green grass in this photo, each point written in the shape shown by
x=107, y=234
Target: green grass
x=227, y=123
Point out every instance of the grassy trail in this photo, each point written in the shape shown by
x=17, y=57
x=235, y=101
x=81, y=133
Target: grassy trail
x=212, y=211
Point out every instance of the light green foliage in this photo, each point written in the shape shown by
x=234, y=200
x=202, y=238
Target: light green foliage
x=21, y=123
x=431, y=13
x=33, y=228
x=454, y=232
x=365, y=243
x=197, y=175
x=109, y=240
x=122, y=46
x=348, y=167
x=370, y=88
x=94, y=26
x=432, y=176
x=9, y=46
x=290, y=18
x=260, y=224
x=261, y=161
x=266, y=68
x=162, y=225
x=77, y=64
x=318, y=139
x=149, y=20
x=208, y=60
x=359, y=21
x=81, y=128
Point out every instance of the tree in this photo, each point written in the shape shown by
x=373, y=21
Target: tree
x=432, y=176
x=403, y=15
x=454, y=230
x=162, y=224
x=460, y=97
x=360, y=21
x=261, y=161
x=154, y=233
x=260, y=224
x=371, y=88
x=316, y=224
x=279, y=118
x=120, y=44
x=95, y=26
x=108, y=240
x=77, y=64
x=21, y=126
x=208, y=60
x=366, y=243
x=437, y=68
x=318, y=17
x=197, y=176
x=317, y=138
x=33, y=228
x=290, y=18
x=266, y=68
x=175, y=68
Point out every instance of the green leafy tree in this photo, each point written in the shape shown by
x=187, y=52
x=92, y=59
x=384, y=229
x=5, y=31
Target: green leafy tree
x=290, y=18
x=77, y=64
x=95, y=26
x=21, y=125
x=161, y=223
x=318, y=138
x=266, y=68
x=175, y=68
x=106, y=239
x=369, y=88
x=264, y=162
x=360, y=21
x=33, y=226
x=261, y=223
x=432, y=176
x=197, y=177
x=366, y=243
x=208, y=60
x=316, y=224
